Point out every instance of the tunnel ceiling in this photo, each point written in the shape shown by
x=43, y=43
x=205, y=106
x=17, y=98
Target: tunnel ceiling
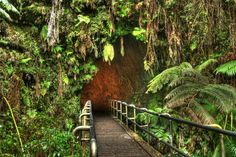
x=120, y=80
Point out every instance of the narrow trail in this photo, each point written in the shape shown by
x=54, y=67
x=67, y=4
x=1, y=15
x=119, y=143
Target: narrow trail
x=113, y=140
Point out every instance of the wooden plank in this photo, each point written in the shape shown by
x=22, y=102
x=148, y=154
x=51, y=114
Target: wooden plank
x=114, y=141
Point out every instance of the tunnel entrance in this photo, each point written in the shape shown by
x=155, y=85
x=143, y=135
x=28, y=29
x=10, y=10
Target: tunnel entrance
x=120, y=80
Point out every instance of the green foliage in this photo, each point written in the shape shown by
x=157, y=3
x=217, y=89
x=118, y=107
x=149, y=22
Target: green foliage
x=45, y=85
x=161, y=134
x=190, y=88
x=124, y=9
x=165, y=77
x=25, y=61
x=5, y=8
x=230, y=146
x=44, y=32
x=108, y=52
x=151, y=122
x=60, y=144
x=228, y=68
x=200, y=68
x=82, y=19
x=139, y=34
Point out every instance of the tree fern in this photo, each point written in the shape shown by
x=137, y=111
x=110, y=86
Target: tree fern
x=225, y=102
x=165, y=77
x=185, y=89
x=189, y=92
x=192, y=115
x=230, y=147
x=205, y=65
x=202, y=114
x=5, y=8
x=228, y=68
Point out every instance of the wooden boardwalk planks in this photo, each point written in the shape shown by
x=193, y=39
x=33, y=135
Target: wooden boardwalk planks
x=113, y=140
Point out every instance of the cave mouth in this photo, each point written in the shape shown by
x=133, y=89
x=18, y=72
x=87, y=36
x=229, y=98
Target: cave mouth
x=118, y=80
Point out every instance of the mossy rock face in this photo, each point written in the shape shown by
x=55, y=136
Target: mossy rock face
x=20, y=38
x=36, y=14
x=3, y=28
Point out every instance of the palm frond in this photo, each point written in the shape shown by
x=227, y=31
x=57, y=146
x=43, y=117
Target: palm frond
x=200, y=68
x=228, y=68
x=165, y=77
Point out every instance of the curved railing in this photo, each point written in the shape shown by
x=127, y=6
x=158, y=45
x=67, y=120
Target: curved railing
x=85, y=132
x=127, y=113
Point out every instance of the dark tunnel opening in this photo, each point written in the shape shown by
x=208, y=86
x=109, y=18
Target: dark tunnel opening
x=119, y=80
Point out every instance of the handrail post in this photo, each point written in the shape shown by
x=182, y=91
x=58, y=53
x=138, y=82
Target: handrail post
x=121, y=113
x=134, y=113
x=116, y=116
x=126, y=115
x=87, y=130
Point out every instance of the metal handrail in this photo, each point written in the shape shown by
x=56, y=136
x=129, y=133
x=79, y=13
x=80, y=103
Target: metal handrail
x=86, y=129
x=120, y=109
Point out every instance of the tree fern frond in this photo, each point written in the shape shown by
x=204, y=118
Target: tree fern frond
x=202, y=114
x=187, y=89
x=216, y=98
x=191, y=73
x=228, y=91
x=185, y=65
x=228, y=68
x=178, y=102
x=188, y=79
x=165, y=77
x=205, y=65
x=162, y=79
x=192, y=115
x=230, y=147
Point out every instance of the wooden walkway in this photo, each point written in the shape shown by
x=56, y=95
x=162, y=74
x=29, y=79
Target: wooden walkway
x=113, y=140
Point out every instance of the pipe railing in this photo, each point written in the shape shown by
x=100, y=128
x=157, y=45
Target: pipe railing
x=85, y=132
x=127, y=114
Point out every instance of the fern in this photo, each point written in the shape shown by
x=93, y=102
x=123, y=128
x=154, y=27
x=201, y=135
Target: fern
x=205, y=65
x=161, y=134
x=185, y=89
x=202, y=114
x=165, y=77
x=5, y=8
x=190, y=92
x=228, y=68
x=219, y=98
x=230, y=147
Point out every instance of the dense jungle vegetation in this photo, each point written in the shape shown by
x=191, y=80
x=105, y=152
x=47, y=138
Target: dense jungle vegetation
x=48, y=51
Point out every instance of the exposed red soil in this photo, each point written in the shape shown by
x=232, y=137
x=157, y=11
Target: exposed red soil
x=119, y=80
